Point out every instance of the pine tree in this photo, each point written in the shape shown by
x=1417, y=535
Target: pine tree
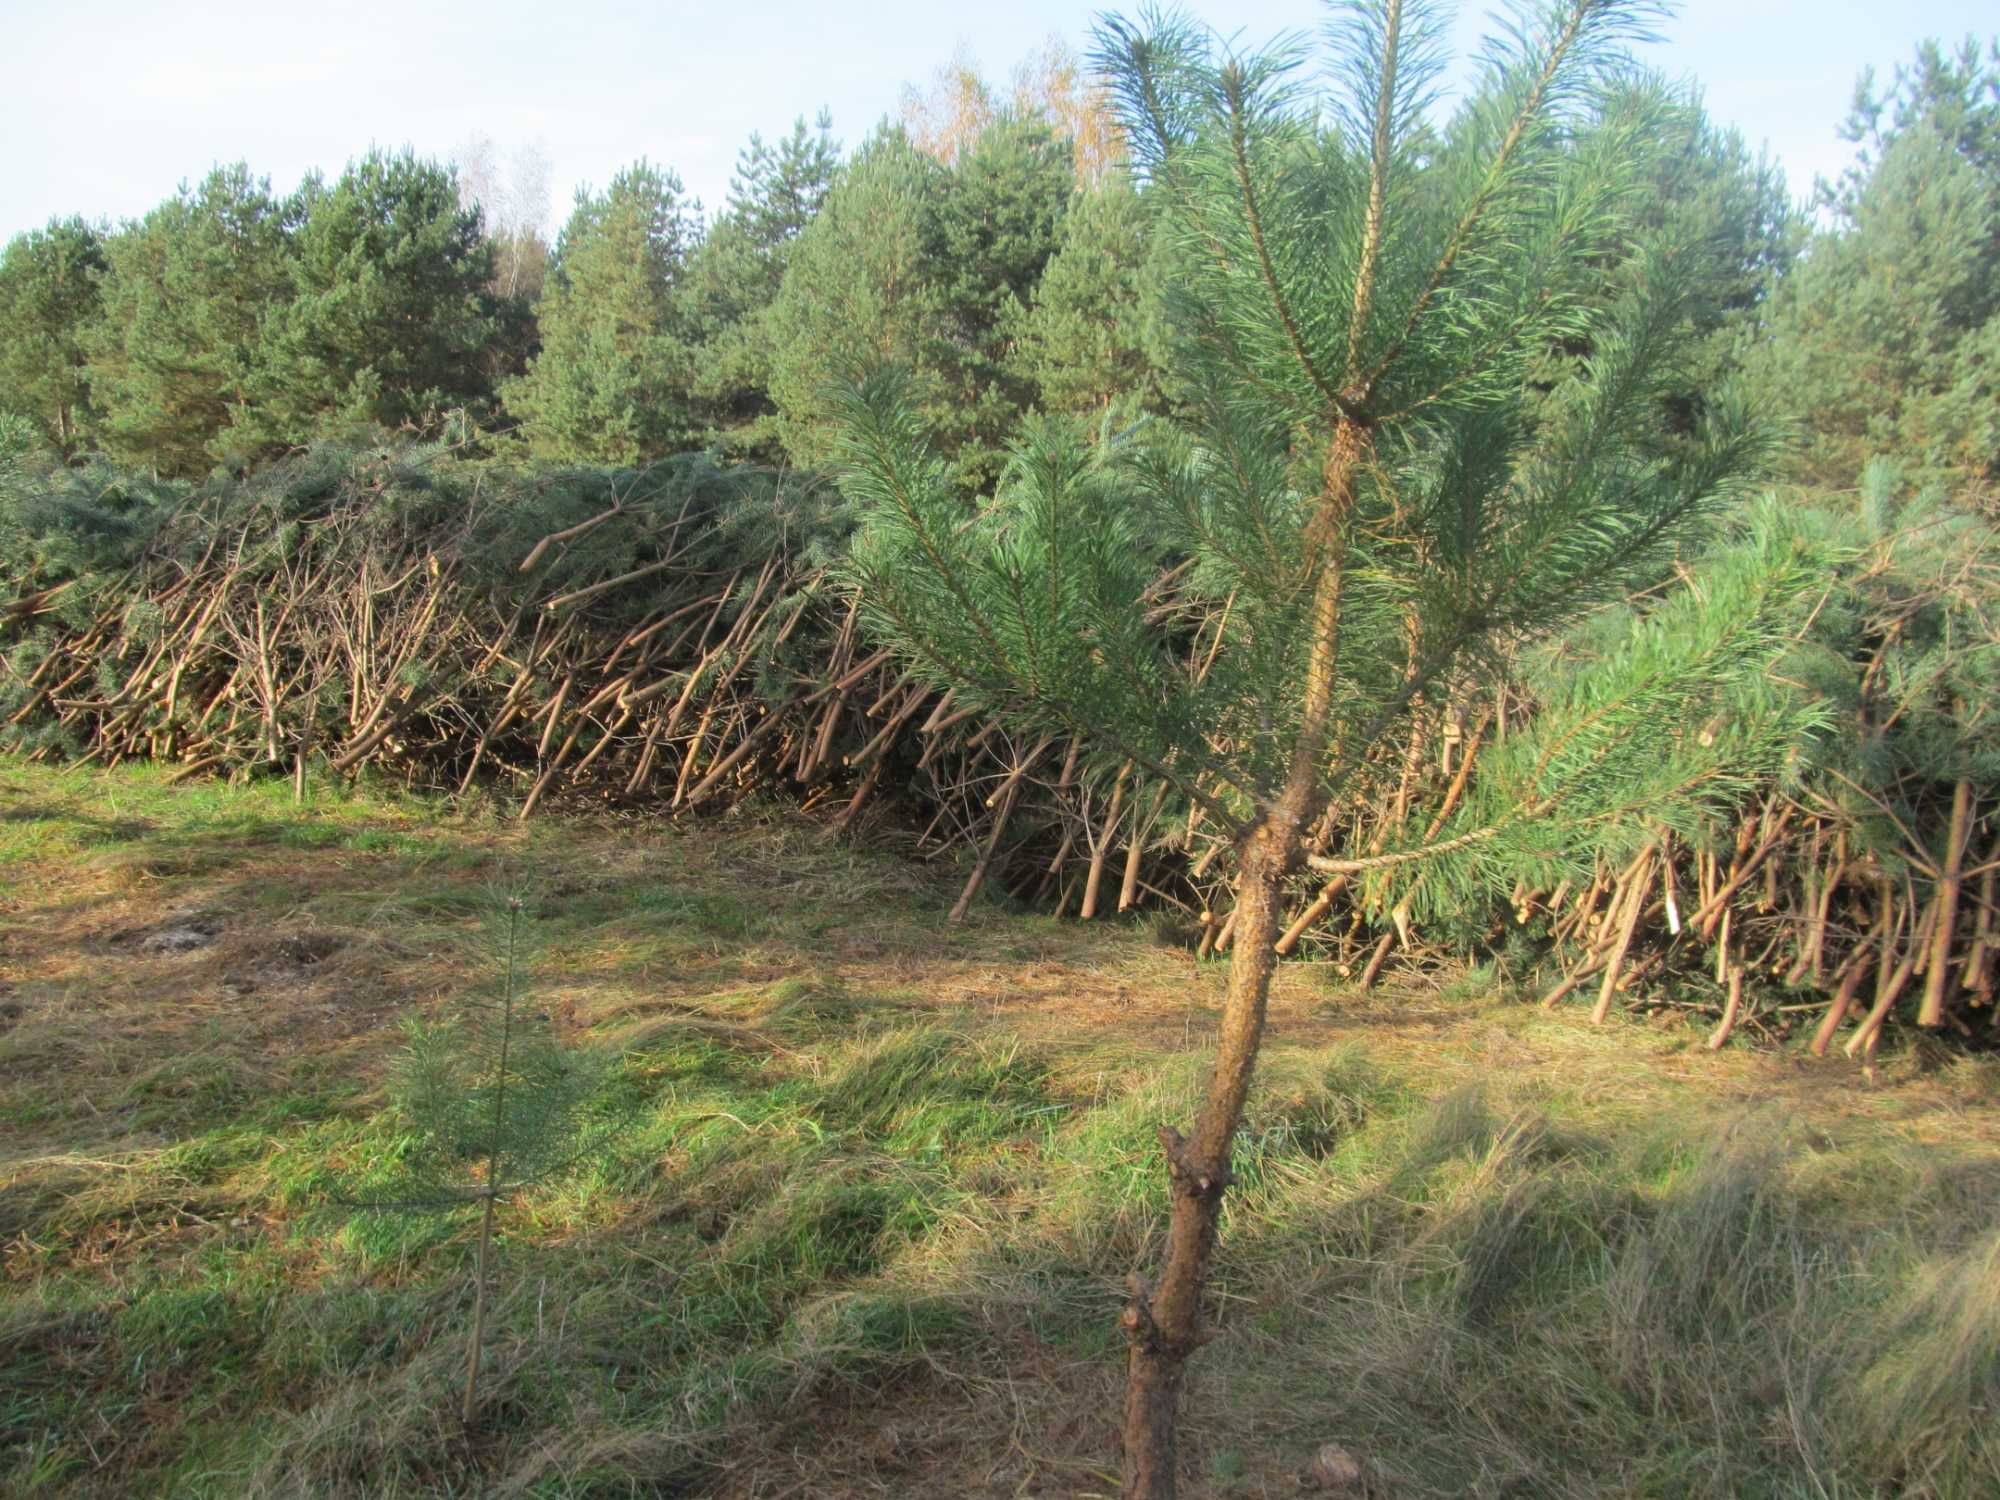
x=492, y=1104
x=1082, y=340
x=924, y=265
x=1730, y=210
x=778, y=190
x=1009, y=194
x=1385, y=487
x=861, y=285
x=732, y=280
x=48, y=297
x=1955, y=92
x=611, y=381
x=171, y=353
x=386, y=318
x=1886, y=338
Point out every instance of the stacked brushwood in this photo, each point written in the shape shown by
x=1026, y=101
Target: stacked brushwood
x=670, y=638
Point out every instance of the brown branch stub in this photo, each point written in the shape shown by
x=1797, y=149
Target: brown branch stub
x=1195, y=1179
x=1137, y=1318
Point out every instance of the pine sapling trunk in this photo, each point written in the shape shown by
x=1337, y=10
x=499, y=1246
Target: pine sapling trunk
x=493, y=1165
x=1162, y=1322
x=477, y=1338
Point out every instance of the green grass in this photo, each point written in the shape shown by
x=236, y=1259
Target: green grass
x=872, y=1203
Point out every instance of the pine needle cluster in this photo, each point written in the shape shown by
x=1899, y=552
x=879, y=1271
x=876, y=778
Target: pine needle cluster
x=1486, y=308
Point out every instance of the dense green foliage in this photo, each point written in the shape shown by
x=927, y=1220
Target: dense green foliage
x=1086, y=338
x=177, y=339
x=49, y=289
x=1887, y=338
x=735, y=277
x=924, y=266
x=385, y=312
x=610, y=382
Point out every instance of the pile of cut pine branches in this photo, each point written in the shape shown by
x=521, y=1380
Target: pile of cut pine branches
x=668, y=639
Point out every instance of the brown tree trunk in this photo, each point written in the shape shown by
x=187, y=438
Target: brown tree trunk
x=1162, y=1321
x=1938, y=981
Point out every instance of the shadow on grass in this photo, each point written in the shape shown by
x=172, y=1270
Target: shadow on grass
x=842, y=1253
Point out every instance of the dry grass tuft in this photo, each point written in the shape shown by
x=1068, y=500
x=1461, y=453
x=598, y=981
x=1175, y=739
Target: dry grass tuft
x=868, y=1231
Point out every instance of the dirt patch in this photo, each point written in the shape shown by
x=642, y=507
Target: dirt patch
x=304, y=949
x=111, y=981
x=181, y=937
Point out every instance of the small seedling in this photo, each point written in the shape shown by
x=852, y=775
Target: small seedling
x=493, y=1104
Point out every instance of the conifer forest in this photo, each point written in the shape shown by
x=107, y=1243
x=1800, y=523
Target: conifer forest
x=1220, y=771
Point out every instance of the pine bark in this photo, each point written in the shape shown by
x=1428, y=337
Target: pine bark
x=1930, y=1013
x=1162, y=1321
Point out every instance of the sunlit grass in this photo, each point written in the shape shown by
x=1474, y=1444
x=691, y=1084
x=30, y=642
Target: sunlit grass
x=856, y=1235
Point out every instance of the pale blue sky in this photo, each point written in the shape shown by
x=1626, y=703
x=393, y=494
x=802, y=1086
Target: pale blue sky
x=109, y=105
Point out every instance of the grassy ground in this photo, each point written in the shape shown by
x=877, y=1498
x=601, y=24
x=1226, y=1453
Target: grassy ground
x=866, y=1231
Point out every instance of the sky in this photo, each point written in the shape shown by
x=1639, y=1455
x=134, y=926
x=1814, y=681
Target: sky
x=110, y=106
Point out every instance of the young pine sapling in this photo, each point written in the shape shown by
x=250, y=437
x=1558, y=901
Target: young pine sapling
x=1429, y=423
x=493, y=1104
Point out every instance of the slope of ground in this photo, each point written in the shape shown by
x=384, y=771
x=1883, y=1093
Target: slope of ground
x=865, y=1227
